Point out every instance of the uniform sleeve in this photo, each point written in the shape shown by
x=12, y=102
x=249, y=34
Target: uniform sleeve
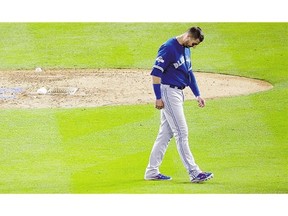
x=192, y=80
x=193, y=84
x=162, y=61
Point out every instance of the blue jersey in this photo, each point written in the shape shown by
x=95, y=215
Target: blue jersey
x=173, y=65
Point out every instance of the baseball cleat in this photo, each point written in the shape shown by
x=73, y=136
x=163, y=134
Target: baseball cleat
x=204, y=176
x=159, y=177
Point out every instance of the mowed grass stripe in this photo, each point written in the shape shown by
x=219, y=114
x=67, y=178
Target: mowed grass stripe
x=32, y=154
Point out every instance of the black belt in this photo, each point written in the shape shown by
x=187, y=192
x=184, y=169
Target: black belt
x=177, y=87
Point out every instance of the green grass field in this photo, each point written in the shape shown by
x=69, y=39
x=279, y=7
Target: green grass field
x=242, y=140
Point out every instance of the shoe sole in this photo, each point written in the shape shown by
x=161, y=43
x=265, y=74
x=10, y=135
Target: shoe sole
x=199, y=181
x=154, y=179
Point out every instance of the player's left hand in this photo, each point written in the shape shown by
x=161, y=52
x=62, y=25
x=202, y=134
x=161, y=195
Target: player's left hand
x=201, y=102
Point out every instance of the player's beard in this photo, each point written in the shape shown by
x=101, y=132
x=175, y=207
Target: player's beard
x=186, y=44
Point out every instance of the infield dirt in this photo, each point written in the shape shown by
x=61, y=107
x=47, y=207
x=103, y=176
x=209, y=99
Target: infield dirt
x=100, y=87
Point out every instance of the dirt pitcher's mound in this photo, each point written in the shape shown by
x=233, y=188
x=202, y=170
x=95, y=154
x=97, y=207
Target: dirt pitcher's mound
x=98, y=87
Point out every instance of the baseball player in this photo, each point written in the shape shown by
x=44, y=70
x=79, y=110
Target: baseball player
x=171, y=73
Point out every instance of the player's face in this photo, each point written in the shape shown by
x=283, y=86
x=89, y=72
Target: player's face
x=191, y=42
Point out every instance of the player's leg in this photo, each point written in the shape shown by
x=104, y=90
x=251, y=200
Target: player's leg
x=160, y=146
x=174, y=113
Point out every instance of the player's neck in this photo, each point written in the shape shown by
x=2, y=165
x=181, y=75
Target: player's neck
x=180, y=40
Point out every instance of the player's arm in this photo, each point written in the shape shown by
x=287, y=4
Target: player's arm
x=157, y=90
x=161, y=63
x=195, y=89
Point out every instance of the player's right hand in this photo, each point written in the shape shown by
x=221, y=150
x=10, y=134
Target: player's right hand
x=159, y=104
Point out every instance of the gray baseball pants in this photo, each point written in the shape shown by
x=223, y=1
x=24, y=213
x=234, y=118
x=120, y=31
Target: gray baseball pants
x=173, y=123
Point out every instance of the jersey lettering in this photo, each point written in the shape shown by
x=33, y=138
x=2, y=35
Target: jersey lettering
x=180, y=62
